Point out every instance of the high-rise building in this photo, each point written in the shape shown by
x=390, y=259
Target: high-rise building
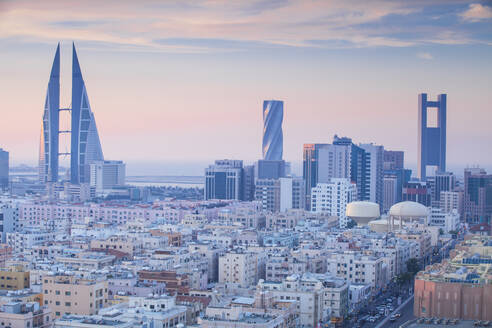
x=273, y=114
x=332, y=198
x=322, y=162
x=478, y=196
x=432, y=139
x=48, y=147
x=373, y=182
x=270, y=169
x=85, y=144
x=393, y=159
x=4, y=169
x=249, y=183
x=451, y=200
x=442, y=181
x=390, y=191
x=105, y=175
x=417, y=191
x=362, y=164
x=280, y=195
x=224, y=180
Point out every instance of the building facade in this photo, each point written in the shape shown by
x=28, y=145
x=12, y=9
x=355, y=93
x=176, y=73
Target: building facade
x=432, y=137
x=224, y=180
x=332, y=198
x=273, y=142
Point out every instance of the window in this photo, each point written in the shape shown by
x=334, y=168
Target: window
x=57, y=292
x=68, y=293
x=68, y=304
x=57, y=303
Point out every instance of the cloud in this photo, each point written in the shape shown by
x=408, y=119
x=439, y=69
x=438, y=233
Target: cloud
x=476, y=12
x=425, y=55
x=198, y=26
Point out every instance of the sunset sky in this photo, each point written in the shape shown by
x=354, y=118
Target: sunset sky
x=173, y=83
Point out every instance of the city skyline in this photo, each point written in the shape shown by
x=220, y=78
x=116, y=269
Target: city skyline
x=237, y=68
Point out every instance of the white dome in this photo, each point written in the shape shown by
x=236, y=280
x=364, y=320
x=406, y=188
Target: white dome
x=408, y=210
x=362, y=210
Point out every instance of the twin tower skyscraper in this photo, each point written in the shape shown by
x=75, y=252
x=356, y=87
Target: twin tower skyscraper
x=85, y=146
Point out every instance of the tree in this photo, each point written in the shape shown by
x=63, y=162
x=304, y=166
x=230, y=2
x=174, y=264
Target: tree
x=413, y=266
x=351, y=223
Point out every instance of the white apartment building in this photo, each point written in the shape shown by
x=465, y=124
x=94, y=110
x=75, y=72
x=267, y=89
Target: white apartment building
x=105, y=175
x=318, y=296
x=358, y=268
x=447, y=221
x=451, y=200
x=24, y=240
x=31, y=214
x=332, y=198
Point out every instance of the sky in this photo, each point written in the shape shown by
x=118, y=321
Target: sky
x=177, y=84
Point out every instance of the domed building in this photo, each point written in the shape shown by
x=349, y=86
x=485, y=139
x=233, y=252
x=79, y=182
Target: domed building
x=407, y=212
x=362, y=212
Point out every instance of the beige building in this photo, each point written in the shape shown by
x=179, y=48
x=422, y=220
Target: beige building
x=423, y=242
x=25, y=315
x=65, y=294
x=14, y=278
x=124, y=244
x=238, y=267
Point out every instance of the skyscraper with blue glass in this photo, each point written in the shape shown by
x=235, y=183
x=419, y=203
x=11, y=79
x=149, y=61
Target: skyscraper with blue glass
x=85, y=144
x=273, y=141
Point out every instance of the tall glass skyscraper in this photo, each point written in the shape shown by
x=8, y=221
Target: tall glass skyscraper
x=432, y=139
x=85, y=144
x=48, y=147
x=273, y=141
x=4, y=169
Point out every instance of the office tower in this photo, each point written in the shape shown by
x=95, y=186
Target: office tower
x=401, y=176
x=224, y=180
x=451, y=200
x=48, y=147
x=322, y=162
x=9, y=220
x=279, y=195
x=393, y=159
x=105, y=175
x=273, y=114
x=442, y=181
x=417, y=191
x=4, y=169
x=85, y=144
x=332, y=198
x=373, y=181
x=270, y=169
x=478, y=196
x=390, y=191
x=432, y=139
x=249, y=183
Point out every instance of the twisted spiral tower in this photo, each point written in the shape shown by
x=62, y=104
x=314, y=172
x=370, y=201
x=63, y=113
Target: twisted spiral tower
x=273, y=143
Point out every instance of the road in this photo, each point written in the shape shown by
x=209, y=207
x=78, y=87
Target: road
x=406, y=315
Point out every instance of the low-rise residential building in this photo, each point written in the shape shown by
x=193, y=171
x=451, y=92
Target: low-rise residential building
x=17, y=314
x=14, y=278
x=68, y=294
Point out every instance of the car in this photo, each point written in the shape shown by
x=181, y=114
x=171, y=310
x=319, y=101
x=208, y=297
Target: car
x=397, y=314
x=393, y=318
